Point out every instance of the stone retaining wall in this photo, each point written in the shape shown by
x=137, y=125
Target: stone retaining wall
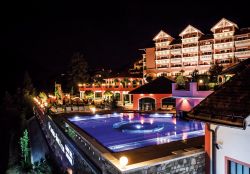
x=194, y=164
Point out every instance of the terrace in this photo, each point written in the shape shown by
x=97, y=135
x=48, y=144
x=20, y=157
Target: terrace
x=143, y=155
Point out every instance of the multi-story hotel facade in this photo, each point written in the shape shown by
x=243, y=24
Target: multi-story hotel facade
x=226, y=45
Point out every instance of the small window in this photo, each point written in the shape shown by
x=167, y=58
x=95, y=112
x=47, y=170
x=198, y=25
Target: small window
x=98, y=94
x=236, y=168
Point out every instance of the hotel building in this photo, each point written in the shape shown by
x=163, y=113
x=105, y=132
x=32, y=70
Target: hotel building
x=194, y=50
x=118, y=85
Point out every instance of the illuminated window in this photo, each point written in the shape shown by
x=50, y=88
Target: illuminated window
x=98, y=94
x=236, y=168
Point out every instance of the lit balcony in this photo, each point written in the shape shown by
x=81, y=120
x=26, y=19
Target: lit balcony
x=163, y=52
x=190, y=65
x=162, y=57
x=190, y=40
x=162, y=61
x=206, y=57
x=243, y=54
x=190, y=59
x=190, y=49
x=241, y=43
x=224, y=45
x=224, y=35
x=176, y=66
x=175, y=60
x=223, y=55
x=162, y=67
x=206, y=47
x=175, y=51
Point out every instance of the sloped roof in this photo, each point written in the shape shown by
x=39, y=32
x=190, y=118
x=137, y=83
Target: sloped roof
x=237, y=68
x=161, y=85
x=229, y=105
x=223, y=22
x=161, y=34
x=188, y=29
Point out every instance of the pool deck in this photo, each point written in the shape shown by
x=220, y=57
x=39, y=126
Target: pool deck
x=158, y=151
x=140, y=157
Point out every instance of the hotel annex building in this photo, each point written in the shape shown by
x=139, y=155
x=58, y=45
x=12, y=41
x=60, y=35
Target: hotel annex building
x=195, y=50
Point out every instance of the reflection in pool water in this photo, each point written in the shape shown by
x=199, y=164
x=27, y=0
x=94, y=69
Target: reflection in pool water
x=138, y=127
x=125, y=131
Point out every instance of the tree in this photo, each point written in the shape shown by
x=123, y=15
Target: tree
x=116, y=81
x=99, y=77
x=108, y=94
x=182, y=71
x=214, y=71
x=149, y=79
x=25, y=151
x=28, y=88
x=89, y=94
x=43, y=97
x=78, y=70
x=194, y=75
x=180, y=81
x=126, y=81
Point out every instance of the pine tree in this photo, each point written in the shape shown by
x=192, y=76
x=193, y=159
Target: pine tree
x=25, y=151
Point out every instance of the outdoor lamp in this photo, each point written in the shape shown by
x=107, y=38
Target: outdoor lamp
x=123, y=161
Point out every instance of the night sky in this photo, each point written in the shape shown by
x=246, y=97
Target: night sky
x=41, y=36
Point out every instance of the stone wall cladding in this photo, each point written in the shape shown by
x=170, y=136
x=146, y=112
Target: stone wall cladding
x=194, y=164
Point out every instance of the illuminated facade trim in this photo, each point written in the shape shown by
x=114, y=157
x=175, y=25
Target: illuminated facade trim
x=228, y=45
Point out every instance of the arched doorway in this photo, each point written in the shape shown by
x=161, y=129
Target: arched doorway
x=168, y=103
x=147, y=104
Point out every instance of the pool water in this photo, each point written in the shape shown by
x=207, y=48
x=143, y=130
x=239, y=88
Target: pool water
x=126, y=131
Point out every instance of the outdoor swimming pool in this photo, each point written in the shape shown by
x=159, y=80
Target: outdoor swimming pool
x=125, y=131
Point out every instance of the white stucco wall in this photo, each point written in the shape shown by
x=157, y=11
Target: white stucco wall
x=235, y=143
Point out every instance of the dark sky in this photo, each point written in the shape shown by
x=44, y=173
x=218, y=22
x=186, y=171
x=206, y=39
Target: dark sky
x=41, y=36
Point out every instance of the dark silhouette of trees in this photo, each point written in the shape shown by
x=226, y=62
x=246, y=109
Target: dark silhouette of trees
x=28, y=88
x=214, y=71
x=78, y=71
x=15, y=110
x=149, y=79
x=195, y=75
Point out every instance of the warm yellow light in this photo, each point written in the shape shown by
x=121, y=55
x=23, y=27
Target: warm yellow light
x=93, y=109
x=138, y=83
x=123, y=161
x=200, y=81
x=35, y=99
x=79, y=85
x=129, y=83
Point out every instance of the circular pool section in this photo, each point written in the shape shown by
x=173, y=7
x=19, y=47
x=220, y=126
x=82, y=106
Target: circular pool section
x=138, y=127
